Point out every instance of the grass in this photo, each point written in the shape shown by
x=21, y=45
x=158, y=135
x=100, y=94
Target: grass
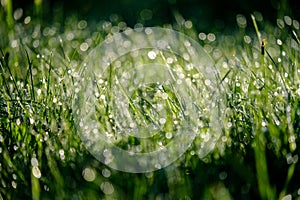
x=42, y=157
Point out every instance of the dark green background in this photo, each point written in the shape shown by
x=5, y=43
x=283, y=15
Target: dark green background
x=206, y=14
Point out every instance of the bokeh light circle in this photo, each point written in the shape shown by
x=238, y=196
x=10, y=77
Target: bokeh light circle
x=144, y=96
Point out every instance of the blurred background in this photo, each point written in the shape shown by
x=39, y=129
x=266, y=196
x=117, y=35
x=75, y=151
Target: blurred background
x=213, y=15
x=68, y=169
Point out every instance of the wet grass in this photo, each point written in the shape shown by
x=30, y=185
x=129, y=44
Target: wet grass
x=42, y=157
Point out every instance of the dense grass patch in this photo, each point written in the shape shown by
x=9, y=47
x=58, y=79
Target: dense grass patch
x=41, y=156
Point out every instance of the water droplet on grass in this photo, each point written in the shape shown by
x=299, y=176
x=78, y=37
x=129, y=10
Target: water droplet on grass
x=107, y=187
x=288, y=20
x=241, y=21
x=27, y=20
x=106, y=173
x=169, y=135
x=152, y=55
x=36, y=172
x=202, y=36
x=89, y=174
x=84, y=46
x=14, y=184
x=34, y=162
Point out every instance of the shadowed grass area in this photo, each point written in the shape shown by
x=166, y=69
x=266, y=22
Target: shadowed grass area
x=42, y=157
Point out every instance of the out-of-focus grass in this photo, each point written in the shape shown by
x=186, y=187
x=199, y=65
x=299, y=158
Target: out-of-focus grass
x=41, y=156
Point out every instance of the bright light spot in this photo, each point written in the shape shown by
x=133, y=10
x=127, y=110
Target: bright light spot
x=170, y=60
x=181, y=76
x=162, y=121
x=34, y=162
x=31, y=121
x=229, y=124
x=27, y=20
x=77, y=90
x=18, y=13
x=207, y=82
x=106, y=173
x=288, y=20
x=296, y=24
x=202, y=36
x=247, y=39
x=186, y=57
x=152, y=55
x=165, y=96
x=211, y=37
x=84, y=46
x=287, y=197
x=298, y=91
x=241, y=21
x=169, y=135
x=224, y=139
x=14, y=44
x=188, y=24
x=14, y=184
x=280, y=23
x=279, y=42
x=36, y=172
x=70, y=36
x=54, y=100
x=61, y=152
x=36, y=43
x=89, y=174
x=283, y=53
x=107, y=187
x=132, y=125
x=157, y=166
x=82, y=24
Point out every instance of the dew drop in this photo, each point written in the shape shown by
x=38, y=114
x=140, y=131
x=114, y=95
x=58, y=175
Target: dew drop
x=207, y=82
x=34, y=162
x=31, y=121
x=14, y=184
x=107, y=187
x=151, y=55
x=162, y=121
x=84, y=46
x=106, y=173
x=169, y=135
x=36, y=172
x=89, y=174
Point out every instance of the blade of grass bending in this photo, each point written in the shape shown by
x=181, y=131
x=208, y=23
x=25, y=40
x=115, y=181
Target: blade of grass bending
x=256, y=28
x=2, y=60
x=287, y=181
x=295, y=36
x=9, y=16
x=48, y=79
x=227, y=73
x=31, y=79
x=264, y=186
x=5, y=64
x=273, y=61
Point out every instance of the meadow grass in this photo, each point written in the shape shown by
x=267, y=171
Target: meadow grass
x=41, y=155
